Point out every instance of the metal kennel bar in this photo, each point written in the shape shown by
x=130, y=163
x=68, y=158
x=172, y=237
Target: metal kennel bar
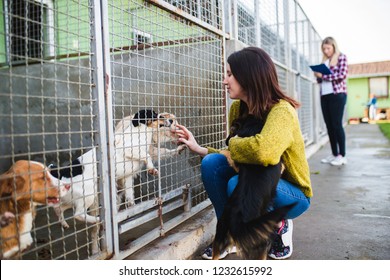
x=101, y=90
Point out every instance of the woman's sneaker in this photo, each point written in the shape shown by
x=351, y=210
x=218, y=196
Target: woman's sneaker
x=282, y=247
x=339, y=160
x=328, y=159
x=208, y=253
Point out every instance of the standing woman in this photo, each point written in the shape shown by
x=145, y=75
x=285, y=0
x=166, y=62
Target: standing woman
x=333, y=99
x=252, y=80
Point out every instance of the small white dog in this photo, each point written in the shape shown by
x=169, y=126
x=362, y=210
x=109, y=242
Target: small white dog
x=136, y=138
x=82, y=175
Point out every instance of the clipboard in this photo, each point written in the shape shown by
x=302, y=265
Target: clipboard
x=321, y=68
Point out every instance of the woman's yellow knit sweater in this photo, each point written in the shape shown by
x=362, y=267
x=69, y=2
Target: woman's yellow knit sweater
x=280, y=138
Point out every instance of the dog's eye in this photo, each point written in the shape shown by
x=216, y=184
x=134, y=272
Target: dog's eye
x=161, y=125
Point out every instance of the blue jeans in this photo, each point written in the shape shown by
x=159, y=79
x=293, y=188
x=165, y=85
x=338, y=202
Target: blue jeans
x=219, y=180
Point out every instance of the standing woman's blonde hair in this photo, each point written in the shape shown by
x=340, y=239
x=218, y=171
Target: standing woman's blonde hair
x=335, y=57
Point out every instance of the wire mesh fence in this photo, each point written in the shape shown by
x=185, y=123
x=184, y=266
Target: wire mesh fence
x=167, y=66
x=48, y=113
x=90, y=92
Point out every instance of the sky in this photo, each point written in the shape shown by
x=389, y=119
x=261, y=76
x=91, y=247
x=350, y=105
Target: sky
x=361, y=28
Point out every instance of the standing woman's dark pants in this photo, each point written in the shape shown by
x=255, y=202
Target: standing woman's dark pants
x=332, y=106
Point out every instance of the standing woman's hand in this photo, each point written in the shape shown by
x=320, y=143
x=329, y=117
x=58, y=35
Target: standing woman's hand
x=318, y=77
x=186, y=137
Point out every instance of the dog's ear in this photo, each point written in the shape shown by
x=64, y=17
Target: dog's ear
x=233, y=130
x=144, y=116
x=136, y=118
x=270, y=220
x=151, y=116
x=5, y=186
x=10, y=182
x=72, y=170
x=54, y=170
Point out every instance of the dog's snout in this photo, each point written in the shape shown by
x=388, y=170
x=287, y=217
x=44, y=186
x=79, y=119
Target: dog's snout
x=168, y=122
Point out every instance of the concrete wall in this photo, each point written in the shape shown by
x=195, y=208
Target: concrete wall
x=45, y=108
x=50, y=115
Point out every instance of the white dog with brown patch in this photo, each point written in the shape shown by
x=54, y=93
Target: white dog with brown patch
x=136, y=138
x=24, y=185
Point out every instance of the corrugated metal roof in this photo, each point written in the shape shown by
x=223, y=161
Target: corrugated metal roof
x=380, y=68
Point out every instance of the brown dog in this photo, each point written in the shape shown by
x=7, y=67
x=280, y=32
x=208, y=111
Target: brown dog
x=24, y=185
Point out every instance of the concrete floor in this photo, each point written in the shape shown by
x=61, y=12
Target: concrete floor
x=349, y=217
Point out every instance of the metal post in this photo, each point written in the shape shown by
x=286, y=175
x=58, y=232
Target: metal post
x=187, y=198
x=101, y=91
x=234, y=19
x=257, y=23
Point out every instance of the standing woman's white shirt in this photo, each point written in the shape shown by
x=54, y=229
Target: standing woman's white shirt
x=326, y=86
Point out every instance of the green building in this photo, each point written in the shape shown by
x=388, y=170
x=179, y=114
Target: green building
x=364, y=79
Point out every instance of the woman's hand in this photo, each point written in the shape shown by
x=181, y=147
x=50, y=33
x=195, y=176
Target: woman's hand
x=186, y=137
x=318, y=75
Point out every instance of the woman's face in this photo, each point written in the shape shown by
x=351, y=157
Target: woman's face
x=234, y=88
x=328, y=50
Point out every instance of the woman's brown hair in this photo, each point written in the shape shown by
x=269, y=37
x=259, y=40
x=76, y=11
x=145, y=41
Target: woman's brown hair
x=255, y=71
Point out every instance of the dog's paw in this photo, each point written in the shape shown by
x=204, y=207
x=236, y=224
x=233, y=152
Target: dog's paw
x=153, y=171
x=95, y=240
x=129, y=202
x=95, y=249
x=64, y=225
x=6, y=218
x=100, y=227
x=283, y=167
x=231, y=162
x=181, y=148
